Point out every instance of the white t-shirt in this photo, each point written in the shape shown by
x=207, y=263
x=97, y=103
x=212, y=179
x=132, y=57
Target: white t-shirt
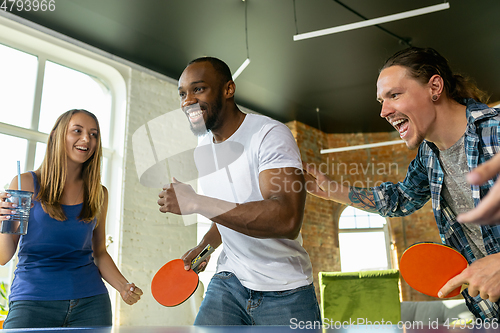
x=230, y=171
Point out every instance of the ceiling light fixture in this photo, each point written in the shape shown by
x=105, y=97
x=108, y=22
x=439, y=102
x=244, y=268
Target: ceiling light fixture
x=241, y=68
x=247, y=60
x=371, y=22
x=402, y=40
x=369, y=145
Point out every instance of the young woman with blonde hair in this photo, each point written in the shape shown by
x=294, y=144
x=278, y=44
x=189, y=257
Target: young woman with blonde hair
x=63, y=257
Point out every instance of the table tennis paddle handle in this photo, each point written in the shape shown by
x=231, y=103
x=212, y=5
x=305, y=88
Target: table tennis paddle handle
x=208, y=250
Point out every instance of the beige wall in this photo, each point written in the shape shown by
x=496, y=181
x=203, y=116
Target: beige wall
x=149, y=237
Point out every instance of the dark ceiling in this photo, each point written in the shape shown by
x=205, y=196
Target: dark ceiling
x=288, y=80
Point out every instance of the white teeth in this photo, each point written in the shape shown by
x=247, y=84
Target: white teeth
x=402, y=135
x=82, y=148
x=195, y=114
x=398, y=122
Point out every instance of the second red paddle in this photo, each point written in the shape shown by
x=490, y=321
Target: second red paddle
x=426, y=267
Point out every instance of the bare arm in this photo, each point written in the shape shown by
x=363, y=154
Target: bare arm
x=278, y=215
x=128, y=291
x=322, y=186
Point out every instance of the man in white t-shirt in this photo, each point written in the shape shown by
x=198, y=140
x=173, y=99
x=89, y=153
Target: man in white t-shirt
x=251, y=177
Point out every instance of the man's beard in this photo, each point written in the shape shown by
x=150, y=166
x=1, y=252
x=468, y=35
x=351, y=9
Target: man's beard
x=213, y=117
x=418, y=141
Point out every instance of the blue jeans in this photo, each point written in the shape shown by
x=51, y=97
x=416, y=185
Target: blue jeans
x=228, y=302
x=83, y=312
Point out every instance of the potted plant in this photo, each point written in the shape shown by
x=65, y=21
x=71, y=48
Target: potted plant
x=3, y=304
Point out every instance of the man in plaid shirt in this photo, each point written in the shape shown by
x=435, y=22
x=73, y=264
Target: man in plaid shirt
x=441, y=114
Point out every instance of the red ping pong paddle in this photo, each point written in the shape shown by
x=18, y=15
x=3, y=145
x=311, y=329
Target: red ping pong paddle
x=426, y=267
x=172, y=284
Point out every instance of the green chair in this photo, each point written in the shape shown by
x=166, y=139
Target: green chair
x=361, y=297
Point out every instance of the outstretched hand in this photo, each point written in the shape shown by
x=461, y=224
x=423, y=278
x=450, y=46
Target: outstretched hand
x=317, y=182
x=488, y=210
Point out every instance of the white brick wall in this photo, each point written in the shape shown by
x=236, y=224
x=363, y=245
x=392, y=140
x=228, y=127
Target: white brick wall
x=149, y=237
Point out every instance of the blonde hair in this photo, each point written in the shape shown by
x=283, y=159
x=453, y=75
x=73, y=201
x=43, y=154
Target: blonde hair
x=53, y=171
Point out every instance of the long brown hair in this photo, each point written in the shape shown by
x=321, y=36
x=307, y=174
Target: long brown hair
x=423, y=63
x=53, y=172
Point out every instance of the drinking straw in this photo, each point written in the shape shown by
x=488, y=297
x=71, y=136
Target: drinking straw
x=19, y=175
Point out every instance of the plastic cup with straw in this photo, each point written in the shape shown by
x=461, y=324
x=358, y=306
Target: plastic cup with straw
x=17, y=224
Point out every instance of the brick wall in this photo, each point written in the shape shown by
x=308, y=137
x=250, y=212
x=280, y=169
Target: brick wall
x=361, y=168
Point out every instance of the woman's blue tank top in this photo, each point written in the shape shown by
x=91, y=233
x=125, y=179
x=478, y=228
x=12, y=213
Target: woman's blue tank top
x=55, y=257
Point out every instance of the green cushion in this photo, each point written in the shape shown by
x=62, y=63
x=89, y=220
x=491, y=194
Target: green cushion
x=360, y=296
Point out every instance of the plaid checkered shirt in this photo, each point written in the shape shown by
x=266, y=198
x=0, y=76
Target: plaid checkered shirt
x=424, y=181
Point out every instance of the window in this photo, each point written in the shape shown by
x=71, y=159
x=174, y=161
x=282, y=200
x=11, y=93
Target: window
x=363, y=241
x=65, y=88
x=17, y=84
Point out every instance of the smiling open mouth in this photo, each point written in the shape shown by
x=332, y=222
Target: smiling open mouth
x=194, y=113
x=82, y=148
x=401, y=126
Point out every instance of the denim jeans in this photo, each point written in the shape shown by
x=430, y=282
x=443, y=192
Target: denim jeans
x=83, y=312
x=227, y=302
